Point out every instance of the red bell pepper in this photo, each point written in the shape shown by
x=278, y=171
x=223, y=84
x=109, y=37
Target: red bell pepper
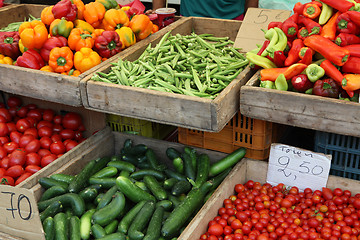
x=108, y=44
x=51, y=43
x=30, y=59
x=312, y=10
x=132, y=11
x=65, y=9
x=345, y=25
x=298, y=8
x=290, y=26
x=344, y=39
x=355, y=17
x=9, y=44
x=293, y=55
x=312, y=26
x=352, y=65
x=301, y=83
x=326, y=88
x=302, y=33
x=274, y=24
x=279, y=58
x=353, y=49
x=306, y=56
x=328, y=49
x=340, y=5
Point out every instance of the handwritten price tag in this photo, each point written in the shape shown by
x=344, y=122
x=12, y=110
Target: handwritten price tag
x=297, y=167
x=19, y=213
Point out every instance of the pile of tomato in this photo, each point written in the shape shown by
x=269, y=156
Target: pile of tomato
x=262, y=211
x=32, y=137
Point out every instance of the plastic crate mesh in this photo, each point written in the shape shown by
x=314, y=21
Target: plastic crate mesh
x=345, y=151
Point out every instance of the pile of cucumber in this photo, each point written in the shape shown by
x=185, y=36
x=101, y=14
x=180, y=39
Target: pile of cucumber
x=132, y=195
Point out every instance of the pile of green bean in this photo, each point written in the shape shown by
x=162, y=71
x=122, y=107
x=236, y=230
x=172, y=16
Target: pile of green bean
x=196, y=65
x=14, y=26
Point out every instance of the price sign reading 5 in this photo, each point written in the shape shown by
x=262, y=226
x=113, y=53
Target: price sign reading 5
x=298, y=167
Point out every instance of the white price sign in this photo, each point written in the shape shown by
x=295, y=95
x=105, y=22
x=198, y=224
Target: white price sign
x=297, y=167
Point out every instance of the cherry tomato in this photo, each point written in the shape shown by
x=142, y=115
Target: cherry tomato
x=216, y=229
x=17, y=157
x=47, y=159
x=72, y=121
x=32, y=159
x=22, y=125
x=7, y=180
x=14, y=171
x=4, y=129
x=24, y=176
x=14, y=101
x=33, y=146
x=32, y=168
x=25, y=139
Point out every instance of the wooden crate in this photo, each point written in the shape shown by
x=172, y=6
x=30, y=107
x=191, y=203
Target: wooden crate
x=245, y=170
x=103, y=143
x=299, y=109
x=48, y=86
x=169, y=108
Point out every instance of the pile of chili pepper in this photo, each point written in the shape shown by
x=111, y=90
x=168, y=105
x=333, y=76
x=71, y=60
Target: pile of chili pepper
x=71, y=37
x=315, y=51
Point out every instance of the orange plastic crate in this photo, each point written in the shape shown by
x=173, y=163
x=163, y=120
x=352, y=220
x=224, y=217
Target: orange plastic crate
x=253, y=134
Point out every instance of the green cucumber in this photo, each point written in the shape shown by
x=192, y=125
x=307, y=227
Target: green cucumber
x=169, y=183
x=137, y=150
x=68, y=199
x=133, y=192
x=98, y=198
x=98, y=231
x=62, y=177
x=126, y=221
x=130, y=159
x=122, y=165
x=124, y=173
x=172, y=153
x=49, y=228
x=89, y=194
x=189, y=170
x=181, y=187
x=203, y=168
x=81, y=179
x=192, y=154
x=85, y=224
x=112, y=210
x=153, y=160
x=114, y=236
x=140, y=174
x=47, y=183
x=217, y=180
x=154, y=229
x=74, y=228
x=166, y=204
x=54, y=208
x=107, y=197
x=108, y=171
x=111, y=227
x=106, y=183
x=155, y=188
x=115, y=158
x=53, y=192
x=227, y=162
x=141, y=220
x=60, y=226
x=142, y=185
x=178, y=164
x=181, y=214
x=173, y=174
x=127, y=144
x=175, y=200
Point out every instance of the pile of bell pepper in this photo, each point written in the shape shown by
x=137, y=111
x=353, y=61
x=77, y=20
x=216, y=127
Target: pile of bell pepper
x=315, y=51
x=73, y=37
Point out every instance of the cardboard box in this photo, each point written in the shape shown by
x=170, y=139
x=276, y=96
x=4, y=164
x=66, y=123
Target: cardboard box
x=170, y=108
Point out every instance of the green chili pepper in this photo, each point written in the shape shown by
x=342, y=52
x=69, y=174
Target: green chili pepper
x=273, y=36
x=314, y=72
x=281, y=43
x=309, y=91
x=267, y=84
x=260, y=60
x=281, y=83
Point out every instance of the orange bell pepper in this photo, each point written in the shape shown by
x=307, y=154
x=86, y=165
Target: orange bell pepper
x=47, y=16
x=61, y=59
x=94, y=13
x=73, y=73
x=83, y=25
x=80, y=8
x=141, y=26
x=155, y=28
x=270, y=74
x=127, y=37
x=47, y=68
x=115, y=19
x=97, y=32
x=79, y=38
x=33, y=34
x=85, y=59
x=6, y=60
x=351, y=82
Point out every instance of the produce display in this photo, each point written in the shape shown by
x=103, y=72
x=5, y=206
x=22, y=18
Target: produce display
x=262, y=211
x=132, y=195
x=32, y=137
x=71, y=37
x=195, y=65
x=314, y=51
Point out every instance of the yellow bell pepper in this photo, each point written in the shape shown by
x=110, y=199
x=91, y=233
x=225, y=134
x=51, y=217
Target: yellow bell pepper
x=47, y=16
x=141, y=26
x=115, y=19
x=125, y=8
x=21, y=47
x=127, y=37
x=94, y=13
x=33, y=34
x=6, y=60
x=47, y=68
x=83, y=25
x=85, y=59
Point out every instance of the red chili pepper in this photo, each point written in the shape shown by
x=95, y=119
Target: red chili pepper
x=354, y=16
x=274, y=24
x=329, y=29
x=298, y=8
x=302, y=33
x=352, y=65
x=332, y=71
x=312, y=26
x=344, y=39
x=290, y=26
x=263, y=47
x=293, y=55
x=328, y=49
x=51, y=43
x=279, y=58
x=30, y=59
x=311, y=10
x=307, y=58
x=354, y=50
x=340, y=5
x=9, y=44
x=288, y=46
x=272, y=73
x=65, y=9
x=345, y=25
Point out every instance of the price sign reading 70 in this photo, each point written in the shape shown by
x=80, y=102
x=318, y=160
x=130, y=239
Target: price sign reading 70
x=298, y=167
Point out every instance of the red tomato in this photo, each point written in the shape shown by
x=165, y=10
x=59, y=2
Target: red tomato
x=5, y=113
x=14, y=101
x=10, y=146
x=14, y=171
x=70, y=145
x=48, y=115
x=32, y=131
x=44, y=123
x=45, y=142
x=43, y=152
x=32, y=168
x=5, y=139
x=12, y=111
x=22, y=112
x=216, y=229
x=2, y=172
x=78, y=135
x=31, y=106
x=357, y=203
x=71, y=121
x=45, y=131
x=24, y=176
x=4, y=129
x=32, y=159
x=82, y=128
x=25, y=139
x=67, y=134
x=22, y=125
x=15, y=136
x=32, y=121
x=58, y=119
x=4, y=163
x=35, y=113
x=7, y=180
x=327, y=193
x=57, y=148
x=57, y=128
x=11, y=126
x=33, y=146
x=2, y=119
x=56, y=138
x=17, y=157
x=47, y=159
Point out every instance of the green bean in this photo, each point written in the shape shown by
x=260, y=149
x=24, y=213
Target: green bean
x=197, y=81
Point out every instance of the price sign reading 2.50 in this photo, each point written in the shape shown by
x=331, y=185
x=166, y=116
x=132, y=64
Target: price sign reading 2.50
x=298, y=167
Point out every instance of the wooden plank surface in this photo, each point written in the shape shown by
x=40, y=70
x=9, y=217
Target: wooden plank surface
x=298, y=109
